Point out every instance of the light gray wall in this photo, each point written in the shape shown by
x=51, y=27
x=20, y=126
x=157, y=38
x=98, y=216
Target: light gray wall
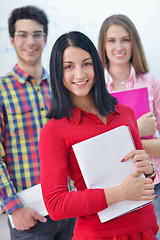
x=86, y=16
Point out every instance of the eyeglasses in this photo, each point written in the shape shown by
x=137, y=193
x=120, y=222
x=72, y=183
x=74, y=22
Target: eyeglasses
x=23, y=36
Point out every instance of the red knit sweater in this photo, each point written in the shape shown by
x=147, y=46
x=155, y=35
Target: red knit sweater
x=58, y=162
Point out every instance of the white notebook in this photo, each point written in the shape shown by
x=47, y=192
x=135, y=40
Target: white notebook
x=32, y=198
x=99, y=159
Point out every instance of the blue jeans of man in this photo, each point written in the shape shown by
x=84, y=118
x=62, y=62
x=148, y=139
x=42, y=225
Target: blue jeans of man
x=51, y=230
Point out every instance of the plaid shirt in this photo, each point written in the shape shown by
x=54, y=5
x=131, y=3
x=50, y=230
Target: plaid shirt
x=23, y=107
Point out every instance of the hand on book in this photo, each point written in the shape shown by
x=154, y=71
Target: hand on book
x=132, y=188
x=141, y=160
x=24, y=218
x=147, y=124
x=135, y=189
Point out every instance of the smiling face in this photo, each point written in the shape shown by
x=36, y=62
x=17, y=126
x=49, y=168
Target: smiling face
x=118, y=45
x=28, y=49
x=78, y=72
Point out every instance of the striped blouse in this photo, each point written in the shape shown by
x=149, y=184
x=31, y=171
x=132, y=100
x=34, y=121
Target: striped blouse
x=153, y=84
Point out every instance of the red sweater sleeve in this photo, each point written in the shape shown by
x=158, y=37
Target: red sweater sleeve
x=61, y=203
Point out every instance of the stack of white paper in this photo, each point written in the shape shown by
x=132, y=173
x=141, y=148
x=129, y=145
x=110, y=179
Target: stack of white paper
x=99, y=159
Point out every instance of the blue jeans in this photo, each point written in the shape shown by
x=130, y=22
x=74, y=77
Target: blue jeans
x=156, y=204
x=51, y=230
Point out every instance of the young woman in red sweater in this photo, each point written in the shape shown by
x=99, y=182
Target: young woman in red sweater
x=82, y=108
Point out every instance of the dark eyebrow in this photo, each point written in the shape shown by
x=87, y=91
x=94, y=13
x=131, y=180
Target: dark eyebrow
x=37, y=31
x=67, y=62
x=87, y=59
x=82, y=61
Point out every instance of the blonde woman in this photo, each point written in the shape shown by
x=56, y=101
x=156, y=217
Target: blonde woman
x=125, y=67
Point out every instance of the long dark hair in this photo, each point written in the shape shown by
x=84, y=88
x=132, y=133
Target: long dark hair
x=62, y=103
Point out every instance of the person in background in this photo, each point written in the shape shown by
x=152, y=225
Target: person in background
x=82, y=108
x=25, y=97
x=125, y=67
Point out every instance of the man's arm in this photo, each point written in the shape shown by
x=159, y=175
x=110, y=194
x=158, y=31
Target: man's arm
x=8, y=195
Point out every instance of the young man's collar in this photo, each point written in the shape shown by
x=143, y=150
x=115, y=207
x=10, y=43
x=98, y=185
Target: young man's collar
x=22, y=76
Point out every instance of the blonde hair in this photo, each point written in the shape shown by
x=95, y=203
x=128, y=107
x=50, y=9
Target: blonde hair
x=138, y=58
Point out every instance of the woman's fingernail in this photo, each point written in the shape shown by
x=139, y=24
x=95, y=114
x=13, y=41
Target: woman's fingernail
x=122, y=160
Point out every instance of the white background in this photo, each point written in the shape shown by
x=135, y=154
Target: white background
x=86, y=16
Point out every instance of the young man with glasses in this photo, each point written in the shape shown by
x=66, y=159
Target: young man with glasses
x=25, y=97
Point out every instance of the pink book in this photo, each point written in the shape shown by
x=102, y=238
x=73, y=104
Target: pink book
x=137, y=99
